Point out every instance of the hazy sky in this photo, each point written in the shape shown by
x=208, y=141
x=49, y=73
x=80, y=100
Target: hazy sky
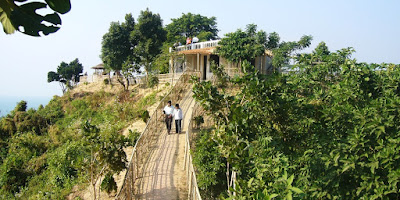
x=370, y=26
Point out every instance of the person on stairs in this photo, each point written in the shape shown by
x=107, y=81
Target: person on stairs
x=168, y=111
x=178, y=116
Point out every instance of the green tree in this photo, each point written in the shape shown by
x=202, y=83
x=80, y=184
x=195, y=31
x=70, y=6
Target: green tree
x=283, y=54
x=243, y=45
x=13, y=16
x=247, y=45
x=21, y=106
x=106, y=153
x=190, y=25
x=67, y=74
x=117, y=49
x=150, y=35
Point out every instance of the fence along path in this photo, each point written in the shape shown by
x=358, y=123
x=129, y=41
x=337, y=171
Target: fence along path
x=151, y=171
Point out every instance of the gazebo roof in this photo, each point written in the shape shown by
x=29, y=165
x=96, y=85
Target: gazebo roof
x=99, y=66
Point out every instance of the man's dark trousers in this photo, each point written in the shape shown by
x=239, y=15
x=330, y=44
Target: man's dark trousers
x=178, y=124
x=168, y=121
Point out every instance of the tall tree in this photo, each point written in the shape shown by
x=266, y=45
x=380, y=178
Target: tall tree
x=283, y=53
x=117, y=48
x=190, y=25
x=247, y=45
x=150, y=35
x=67, y=74
x=13, y=16
x=243, y=45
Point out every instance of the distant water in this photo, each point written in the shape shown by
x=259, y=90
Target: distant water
x=8, y=103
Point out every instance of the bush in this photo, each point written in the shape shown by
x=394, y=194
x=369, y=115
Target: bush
x=152, y=81
x=210, y=166
x=198, y=120
x=108, y=184
x=133, y=136
x=106, y=81
x=145, y=116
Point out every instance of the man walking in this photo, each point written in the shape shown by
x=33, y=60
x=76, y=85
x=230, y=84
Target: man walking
x=178, y=116
x=168, y=111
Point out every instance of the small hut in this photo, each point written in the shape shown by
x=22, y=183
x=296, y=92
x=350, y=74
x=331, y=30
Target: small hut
x=99, y=69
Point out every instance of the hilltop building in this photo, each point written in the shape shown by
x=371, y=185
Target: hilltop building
x=199, y=56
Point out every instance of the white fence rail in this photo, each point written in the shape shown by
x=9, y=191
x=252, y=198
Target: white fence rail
x=199, y=45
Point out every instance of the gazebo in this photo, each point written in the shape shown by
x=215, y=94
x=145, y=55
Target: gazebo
x=98, y=69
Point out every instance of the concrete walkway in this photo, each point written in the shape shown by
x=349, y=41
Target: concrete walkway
x=164, y=177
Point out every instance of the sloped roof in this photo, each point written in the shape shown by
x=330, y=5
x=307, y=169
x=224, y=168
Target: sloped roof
x=99, y=66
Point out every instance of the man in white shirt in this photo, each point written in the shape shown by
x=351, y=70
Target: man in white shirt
x=168, y=111
x=178, y=116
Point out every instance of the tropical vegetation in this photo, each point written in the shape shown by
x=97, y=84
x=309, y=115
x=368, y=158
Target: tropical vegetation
x=326, y=129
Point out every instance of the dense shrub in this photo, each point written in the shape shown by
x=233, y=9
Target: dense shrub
x=329, y=129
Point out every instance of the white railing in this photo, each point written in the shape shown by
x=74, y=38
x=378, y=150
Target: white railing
x=200, y=45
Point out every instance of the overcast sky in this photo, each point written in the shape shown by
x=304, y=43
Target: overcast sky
x=370, y=26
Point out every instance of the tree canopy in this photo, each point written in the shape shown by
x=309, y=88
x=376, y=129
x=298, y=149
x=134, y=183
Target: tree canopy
x=243, y=45
x=14, y=16
x=150, y=35
x=67, y=74
x=117, y=46
x=117, y=50
x=247, y=45
x=190, y=25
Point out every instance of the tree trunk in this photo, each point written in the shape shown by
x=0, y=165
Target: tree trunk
x=121, y=82
x=63, y=88
x=109, y=78
x=127, y=83
x=94, y=191
x=227, y=176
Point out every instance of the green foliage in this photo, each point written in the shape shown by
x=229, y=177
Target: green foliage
x=283, y=54
x=152, y=81
x=106, y=81
x=13, y=16
x=198, y=120
x=161, y=62
x=108, y=184
x=210, y=166
x=247, y=45
x=243, y=45
x=145, y=116
x=150, y=35
x=328, y=130
x=67, y=74
x=21, y=106
x=46, y=152
x=133, y=136
x=191, y=25
x=117, y=49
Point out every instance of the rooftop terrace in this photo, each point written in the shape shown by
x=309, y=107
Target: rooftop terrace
x=196, y=46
